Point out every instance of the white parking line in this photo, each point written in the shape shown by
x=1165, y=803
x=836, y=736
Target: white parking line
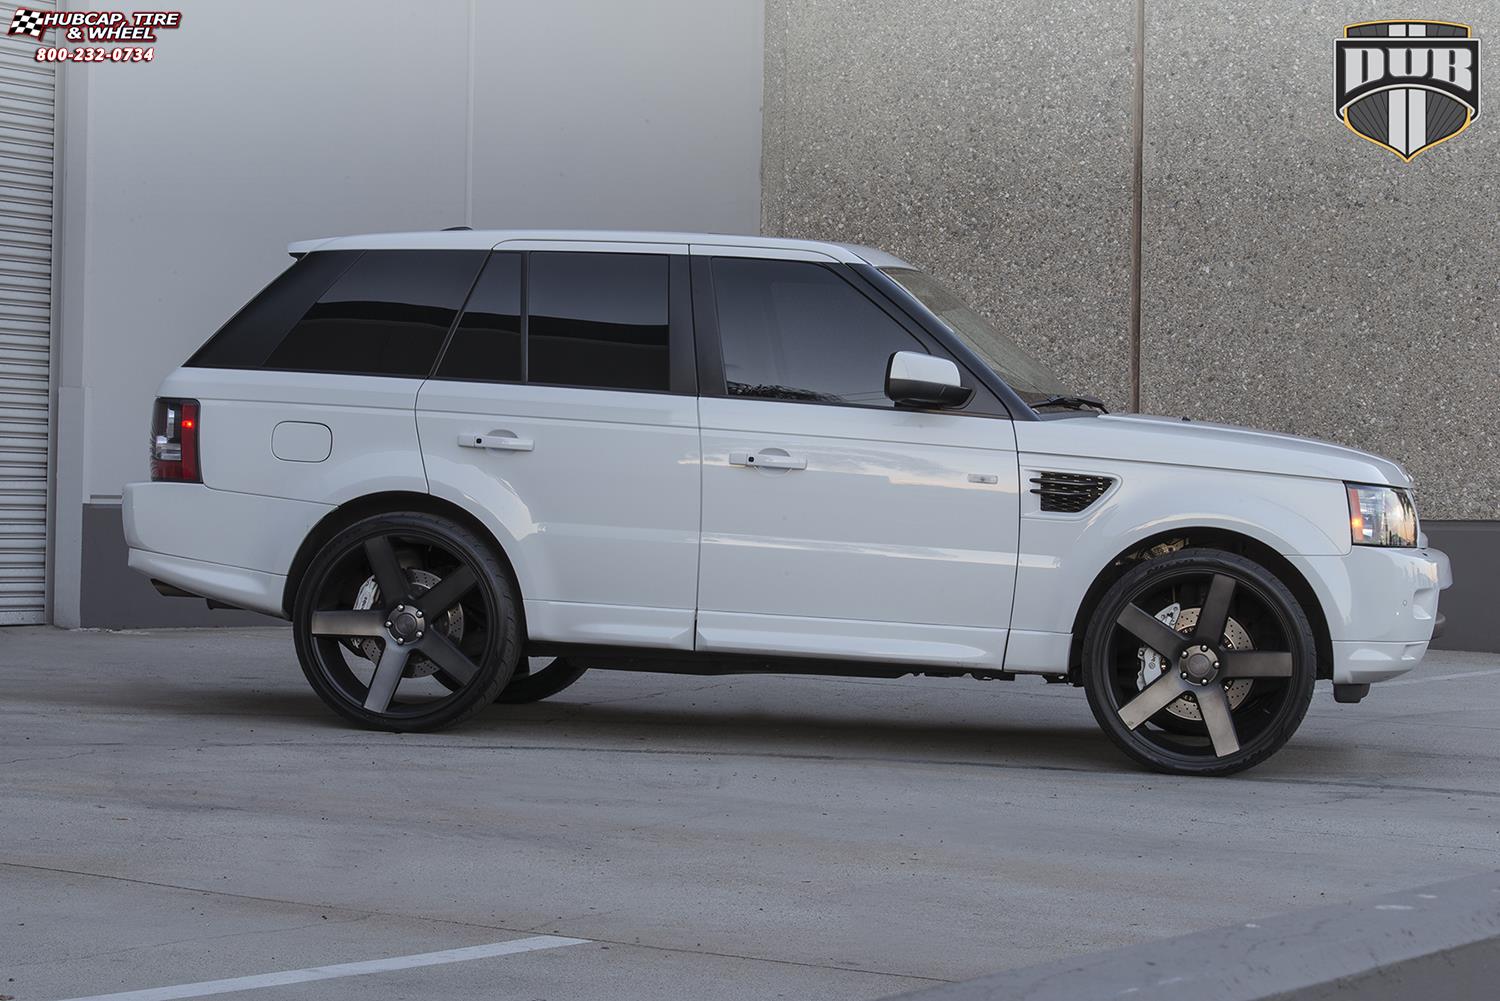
x=1441, y=677
x=208, y=987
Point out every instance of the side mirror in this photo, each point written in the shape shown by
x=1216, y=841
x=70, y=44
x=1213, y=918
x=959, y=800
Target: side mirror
x=914, y=379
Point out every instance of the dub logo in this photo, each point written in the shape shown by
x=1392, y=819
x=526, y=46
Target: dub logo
x=1406, y=85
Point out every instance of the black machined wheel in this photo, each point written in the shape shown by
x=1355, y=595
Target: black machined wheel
x=406, y=622
x=538, y=678
x=1272, y=649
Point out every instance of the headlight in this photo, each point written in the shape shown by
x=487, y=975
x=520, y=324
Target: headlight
x=1381, y=516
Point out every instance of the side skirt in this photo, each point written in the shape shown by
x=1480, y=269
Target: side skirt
x=606, y=658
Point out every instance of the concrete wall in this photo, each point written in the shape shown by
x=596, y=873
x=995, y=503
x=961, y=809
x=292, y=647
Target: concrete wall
x=1292, y=275
x=988, y=142
x=183, y=181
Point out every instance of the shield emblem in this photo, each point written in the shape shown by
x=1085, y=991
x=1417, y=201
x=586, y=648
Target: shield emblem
x=1406, y=85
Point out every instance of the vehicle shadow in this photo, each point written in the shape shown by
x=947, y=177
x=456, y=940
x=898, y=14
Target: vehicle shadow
x=1008, y=739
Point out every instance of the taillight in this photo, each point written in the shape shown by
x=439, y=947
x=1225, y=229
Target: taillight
x=174, y=441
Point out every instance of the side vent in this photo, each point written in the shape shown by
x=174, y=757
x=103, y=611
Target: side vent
x=1068, y=493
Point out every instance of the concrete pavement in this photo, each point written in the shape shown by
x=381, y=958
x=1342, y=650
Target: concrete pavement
x=176, y=807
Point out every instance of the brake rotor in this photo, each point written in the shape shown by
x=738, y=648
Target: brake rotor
x=1152, y=663
x=418, y=665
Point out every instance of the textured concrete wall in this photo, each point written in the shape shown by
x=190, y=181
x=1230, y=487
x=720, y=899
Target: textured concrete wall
x=1299, y=278
x=1294, y=276
x=988, y=142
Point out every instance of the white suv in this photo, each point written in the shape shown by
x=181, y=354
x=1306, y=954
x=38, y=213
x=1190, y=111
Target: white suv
x=469, y=465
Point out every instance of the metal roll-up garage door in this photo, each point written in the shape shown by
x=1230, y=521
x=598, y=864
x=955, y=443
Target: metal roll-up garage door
x=27, y=117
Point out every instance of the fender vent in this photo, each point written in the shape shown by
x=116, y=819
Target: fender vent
x=1068, y=493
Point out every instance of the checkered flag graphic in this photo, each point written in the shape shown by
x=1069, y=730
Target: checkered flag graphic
x=27, y=22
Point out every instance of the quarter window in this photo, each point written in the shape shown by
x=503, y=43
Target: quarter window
x=386, y=315
x=250, y=336
x=792, y=330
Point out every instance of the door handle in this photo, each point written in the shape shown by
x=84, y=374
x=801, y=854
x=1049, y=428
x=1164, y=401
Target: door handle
x=769, y=459
x=501, y=441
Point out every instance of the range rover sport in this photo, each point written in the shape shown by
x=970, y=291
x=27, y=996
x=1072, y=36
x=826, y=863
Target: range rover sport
x=468, y=466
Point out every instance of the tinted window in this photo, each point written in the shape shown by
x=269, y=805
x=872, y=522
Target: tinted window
x=598, y=320
x=487, y=344
x=253, y=333
x=386, y=315
x=791, y=330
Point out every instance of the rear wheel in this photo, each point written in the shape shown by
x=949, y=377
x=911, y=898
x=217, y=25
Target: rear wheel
x=1214, y=687
x=406, y=622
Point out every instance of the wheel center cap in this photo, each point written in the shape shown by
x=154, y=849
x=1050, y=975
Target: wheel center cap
x=405, y=624
x=1199, y=664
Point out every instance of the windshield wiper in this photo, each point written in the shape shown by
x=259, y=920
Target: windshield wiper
x=1071, y=402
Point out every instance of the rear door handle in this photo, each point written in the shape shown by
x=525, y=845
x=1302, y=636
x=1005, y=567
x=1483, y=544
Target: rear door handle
x=767, y=460
x=502, y=441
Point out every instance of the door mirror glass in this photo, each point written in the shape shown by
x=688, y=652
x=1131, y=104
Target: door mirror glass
x=914, y=379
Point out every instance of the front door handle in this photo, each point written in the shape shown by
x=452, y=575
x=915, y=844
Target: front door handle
x=503, y=441
x=769, y=459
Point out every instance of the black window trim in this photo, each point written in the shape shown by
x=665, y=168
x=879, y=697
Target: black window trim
x=984, y=403
x=682, y=377
x=962, y=354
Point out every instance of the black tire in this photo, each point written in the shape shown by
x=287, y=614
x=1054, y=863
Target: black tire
x=1283, y=663
x=473, y=586
x=541, y=682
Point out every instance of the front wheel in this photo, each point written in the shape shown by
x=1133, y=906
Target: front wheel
x=1199, y=663
x=406, y=622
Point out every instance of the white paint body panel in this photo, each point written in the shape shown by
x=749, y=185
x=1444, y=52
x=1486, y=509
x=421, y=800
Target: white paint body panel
x=602, y=513
x=1283, y=491
x=740, y=526
x=883, y=529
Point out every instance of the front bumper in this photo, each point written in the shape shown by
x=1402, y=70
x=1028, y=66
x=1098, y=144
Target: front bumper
x=1381, y=608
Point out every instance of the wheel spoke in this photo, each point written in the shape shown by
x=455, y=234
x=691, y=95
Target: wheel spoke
x=347, y=623
x=454, y=662
x=445, y=593
x=386, y=677
x=1256, y=664
x=1157, y=696
x=1153, y=632
x=1213, y=703
x=387, y=569
x=1213, y=619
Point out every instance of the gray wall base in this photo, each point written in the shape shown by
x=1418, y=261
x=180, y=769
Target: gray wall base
x=1440, y=941
x=113, y=596
x=1470, y=605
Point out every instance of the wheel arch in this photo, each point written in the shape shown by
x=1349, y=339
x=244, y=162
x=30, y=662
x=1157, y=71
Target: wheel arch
x=1227, y=540
x=389, y=502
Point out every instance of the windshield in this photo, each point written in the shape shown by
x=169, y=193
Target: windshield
x=1023, y=373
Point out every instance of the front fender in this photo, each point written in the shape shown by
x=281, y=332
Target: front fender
x=1061, y=555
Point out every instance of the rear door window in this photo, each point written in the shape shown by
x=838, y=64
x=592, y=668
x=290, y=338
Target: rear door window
x=588, y=320
x=486, y=347
x=598, y=320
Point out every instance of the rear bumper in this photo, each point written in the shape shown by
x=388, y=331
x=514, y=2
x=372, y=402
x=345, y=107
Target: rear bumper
x=238, y=586
x=233, y=547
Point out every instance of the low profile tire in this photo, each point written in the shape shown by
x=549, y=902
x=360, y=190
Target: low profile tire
x=539, y=678
x=1203, y=664
x=396, y=600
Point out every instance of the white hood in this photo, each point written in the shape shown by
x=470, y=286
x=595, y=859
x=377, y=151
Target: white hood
x=1175, y=441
